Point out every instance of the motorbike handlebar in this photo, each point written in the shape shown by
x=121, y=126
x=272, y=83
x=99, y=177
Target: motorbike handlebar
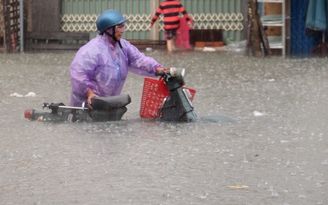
x=161, y=73
x=171, y=72
x=168, y=72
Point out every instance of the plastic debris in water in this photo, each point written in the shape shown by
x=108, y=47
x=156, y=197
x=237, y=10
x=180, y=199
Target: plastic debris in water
x=257, y=113
x=30, y=94
x=16, y=95
x=239, y=187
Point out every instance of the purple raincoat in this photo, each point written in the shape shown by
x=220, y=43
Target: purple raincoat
x=103, y=67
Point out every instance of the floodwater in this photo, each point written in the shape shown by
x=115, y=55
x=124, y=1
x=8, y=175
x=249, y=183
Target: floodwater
x=276, y=154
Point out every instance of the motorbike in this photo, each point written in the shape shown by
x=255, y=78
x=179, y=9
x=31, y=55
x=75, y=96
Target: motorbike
x=175, y=104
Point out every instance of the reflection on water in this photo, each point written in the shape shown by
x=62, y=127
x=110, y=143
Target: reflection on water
x=275, y=154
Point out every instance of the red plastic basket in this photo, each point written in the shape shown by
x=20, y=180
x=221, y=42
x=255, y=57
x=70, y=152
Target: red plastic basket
x=153, y=93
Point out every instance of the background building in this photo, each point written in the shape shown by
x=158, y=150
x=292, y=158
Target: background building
x=70, y=23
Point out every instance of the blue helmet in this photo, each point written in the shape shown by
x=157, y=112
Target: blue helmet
x=109, y=19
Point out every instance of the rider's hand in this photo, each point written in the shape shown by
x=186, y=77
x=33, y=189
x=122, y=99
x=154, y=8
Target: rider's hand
x=159, y=69
x=90, y=95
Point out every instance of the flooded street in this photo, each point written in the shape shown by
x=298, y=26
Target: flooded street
x=276, y=154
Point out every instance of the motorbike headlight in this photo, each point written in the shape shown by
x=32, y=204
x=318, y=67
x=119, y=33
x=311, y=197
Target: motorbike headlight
x=173, y=72
x=178, y=74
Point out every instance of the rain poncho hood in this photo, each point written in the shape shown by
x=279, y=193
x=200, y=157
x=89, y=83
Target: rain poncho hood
x=103, y=67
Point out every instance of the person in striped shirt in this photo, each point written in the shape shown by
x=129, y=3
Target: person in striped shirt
x=171, y=10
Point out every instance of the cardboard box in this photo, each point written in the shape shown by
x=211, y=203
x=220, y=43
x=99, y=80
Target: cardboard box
x=202, y=44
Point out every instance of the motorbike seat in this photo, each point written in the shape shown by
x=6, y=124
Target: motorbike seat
x=112, y=102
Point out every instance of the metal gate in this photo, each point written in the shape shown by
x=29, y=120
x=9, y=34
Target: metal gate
x=81, y=15
x=10, y=25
